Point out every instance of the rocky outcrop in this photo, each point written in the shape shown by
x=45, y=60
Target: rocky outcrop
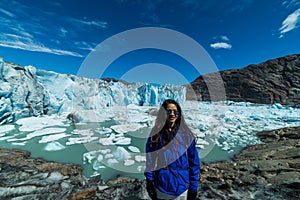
x=263, y=171
x=274, y=81
x=22, y=177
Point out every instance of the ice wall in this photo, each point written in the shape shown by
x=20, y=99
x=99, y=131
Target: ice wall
x=26, y=91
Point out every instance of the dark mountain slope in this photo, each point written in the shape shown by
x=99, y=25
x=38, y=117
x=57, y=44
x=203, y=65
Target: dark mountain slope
x=273, y=81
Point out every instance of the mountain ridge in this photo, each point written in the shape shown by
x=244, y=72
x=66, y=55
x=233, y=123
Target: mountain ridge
x=273, y=81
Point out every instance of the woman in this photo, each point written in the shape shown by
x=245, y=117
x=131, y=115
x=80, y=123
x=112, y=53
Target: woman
x=173, y=165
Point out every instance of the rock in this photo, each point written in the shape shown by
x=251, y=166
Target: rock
x=274, y=81
x=263, y=171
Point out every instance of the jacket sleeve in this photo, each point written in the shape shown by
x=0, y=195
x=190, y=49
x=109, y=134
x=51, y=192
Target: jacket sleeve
x=194, y=167
x=150, y=161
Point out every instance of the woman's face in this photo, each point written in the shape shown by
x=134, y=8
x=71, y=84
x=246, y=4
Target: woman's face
x=172, y=113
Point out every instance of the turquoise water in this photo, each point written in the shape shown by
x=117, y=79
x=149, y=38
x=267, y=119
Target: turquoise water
x=222, y=131
x=74, y=153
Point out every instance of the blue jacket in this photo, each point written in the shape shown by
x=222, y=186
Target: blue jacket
x=174, y=167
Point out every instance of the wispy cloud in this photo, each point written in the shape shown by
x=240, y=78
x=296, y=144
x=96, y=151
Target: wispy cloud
x=290, y=23
x=40, y=31
x=95, y=23
x=26, y=43
x=291, y=3
x=220, y=45
x=6, y=12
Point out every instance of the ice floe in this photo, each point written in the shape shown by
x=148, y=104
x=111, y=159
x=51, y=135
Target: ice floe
x=134, y=149
x=50, y=138
x=37, y=123
x=54, y=146
x=6, y=128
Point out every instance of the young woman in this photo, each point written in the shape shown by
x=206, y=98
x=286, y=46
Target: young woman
x=172, y=161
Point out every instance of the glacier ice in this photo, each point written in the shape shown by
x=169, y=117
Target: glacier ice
x=27, y=91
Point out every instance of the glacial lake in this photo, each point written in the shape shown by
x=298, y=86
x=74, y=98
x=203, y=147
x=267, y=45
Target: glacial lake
x=115, y=146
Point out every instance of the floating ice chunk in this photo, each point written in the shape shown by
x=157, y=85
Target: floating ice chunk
x=100, y=157
x=45, y=131
x=128, y=162
x=105, y=151
x=107, y=141
x=97, y=165
x=88, y=156
x=202, y=142
x=112, y=161
x=7, y=138
x=81, y=140
x=139, y=168
x=103, y=130
x=95, y=174
x=6, y=128
x=54, y=146
x=19, y=143
x=125, y=128
x=140, y=158
x=121, y=154
x=134, y=149
x=200, y=146
x=108, y=156
x=49, y=138
x=123, y=141
x=37, y=123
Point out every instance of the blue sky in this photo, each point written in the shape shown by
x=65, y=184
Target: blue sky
x=59, y=35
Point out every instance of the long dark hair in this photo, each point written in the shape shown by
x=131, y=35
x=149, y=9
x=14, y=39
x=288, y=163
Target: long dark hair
x=160, y=126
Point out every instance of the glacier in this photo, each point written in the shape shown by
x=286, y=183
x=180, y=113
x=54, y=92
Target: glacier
x=27, y=91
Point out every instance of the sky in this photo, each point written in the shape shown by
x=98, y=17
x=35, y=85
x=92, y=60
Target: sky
x=63, y=36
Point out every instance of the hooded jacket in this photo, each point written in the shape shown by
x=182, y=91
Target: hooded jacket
x=173, y=167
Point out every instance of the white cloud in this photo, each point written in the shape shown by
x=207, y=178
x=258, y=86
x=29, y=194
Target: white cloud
x=290, y=23
x=221, y=45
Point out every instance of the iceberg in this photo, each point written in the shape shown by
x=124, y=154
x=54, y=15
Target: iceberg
x=121, y=154
x=134, y=149
x=128, y=162
x=54, y=146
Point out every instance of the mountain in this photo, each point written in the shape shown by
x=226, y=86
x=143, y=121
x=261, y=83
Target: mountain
x=273, y=81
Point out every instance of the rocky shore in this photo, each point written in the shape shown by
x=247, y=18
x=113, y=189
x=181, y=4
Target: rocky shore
x=265, y=171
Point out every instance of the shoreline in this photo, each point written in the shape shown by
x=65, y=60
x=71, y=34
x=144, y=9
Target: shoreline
x=259, y=171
